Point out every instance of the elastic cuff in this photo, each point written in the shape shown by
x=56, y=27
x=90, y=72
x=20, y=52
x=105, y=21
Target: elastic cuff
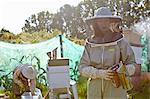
x=130, y=69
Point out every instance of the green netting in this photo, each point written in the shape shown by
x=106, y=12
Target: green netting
x=145, y=51
x=73, y=52
x=11, y=55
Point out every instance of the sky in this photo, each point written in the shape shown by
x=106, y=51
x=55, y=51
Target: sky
x=13, y=13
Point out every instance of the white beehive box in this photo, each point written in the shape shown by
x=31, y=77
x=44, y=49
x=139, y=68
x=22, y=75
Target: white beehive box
x=27, y=95
x=138, y=54
x=58, y=73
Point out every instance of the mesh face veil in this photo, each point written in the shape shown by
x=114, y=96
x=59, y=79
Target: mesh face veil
x=116, y=27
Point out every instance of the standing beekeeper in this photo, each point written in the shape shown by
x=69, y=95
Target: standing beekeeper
x=104, y=49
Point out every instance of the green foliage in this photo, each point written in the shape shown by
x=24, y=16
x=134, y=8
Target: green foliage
x=10, y=94
x=6, y=81
x=38, y=22
x=134, y=10
x=41, y=77
x=43, y=88
x=143, y=92
x=70, y=20
x=19, y=60
x=25, y=38
x=77, y=41
x=82, y=87
x=3, y=30
x=74, y=71
x=6, y=36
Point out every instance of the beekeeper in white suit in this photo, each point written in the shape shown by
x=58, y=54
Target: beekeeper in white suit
x=106, y=48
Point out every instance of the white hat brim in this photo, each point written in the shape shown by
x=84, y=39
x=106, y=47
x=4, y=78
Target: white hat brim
x=99, y=17
x=28, y=75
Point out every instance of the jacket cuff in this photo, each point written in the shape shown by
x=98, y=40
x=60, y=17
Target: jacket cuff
x=130, y=69
x=90, y=72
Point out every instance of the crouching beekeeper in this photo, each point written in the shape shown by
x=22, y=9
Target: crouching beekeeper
x=24, y=80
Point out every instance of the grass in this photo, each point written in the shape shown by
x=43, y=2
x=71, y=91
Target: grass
x=82, y=87
x=144, y=92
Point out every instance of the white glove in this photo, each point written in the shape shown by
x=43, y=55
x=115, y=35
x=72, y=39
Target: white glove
x=94, y=73
x=106, y=74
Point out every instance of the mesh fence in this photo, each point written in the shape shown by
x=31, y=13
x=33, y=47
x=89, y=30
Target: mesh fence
x=11, y=55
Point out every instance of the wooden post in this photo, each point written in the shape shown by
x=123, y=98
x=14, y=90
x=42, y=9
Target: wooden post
x=61, y=46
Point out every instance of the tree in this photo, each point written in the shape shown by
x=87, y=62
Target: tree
x=88, y=7
x=3, y=30
x=57, y=22
x=131, y=10
x=136, y=10
x=70, y=19
x=38, y=22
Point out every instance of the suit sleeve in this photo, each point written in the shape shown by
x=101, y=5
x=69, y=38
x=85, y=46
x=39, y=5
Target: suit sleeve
x=33, y=85
x=85, y=68
x=127, y=57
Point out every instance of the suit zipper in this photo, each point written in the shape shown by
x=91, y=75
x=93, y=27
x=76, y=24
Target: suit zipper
x=102, y=66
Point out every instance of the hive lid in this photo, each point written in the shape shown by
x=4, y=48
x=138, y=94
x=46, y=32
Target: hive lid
x=58, y=62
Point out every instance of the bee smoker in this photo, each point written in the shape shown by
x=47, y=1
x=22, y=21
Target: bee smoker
x=124, y=80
